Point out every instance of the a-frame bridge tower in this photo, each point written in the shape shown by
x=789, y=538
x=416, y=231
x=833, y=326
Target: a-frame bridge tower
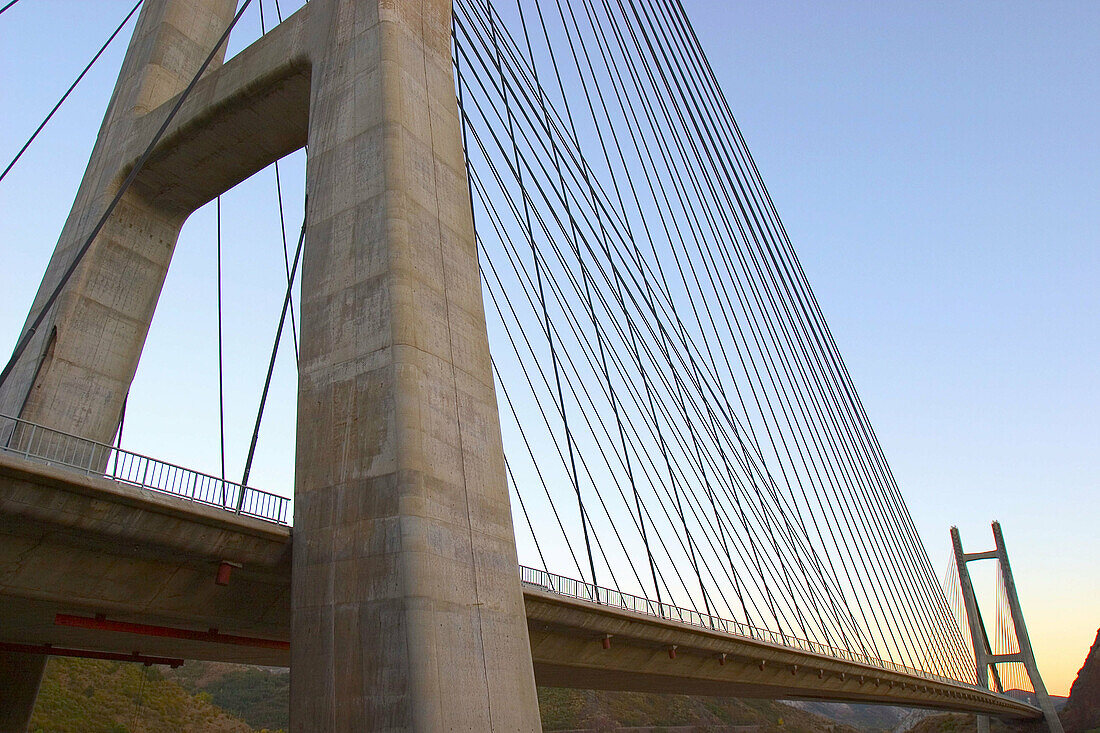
x=407, y=608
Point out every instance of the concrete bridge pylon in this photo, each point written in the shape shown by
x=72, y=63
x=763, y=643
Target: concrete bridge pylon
x=407, y=613
x=985, y=660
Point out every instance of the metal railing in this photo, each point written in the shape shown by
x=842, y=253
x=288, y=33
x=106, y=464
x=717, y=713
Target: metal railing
x=92, y=458
x=573, y=588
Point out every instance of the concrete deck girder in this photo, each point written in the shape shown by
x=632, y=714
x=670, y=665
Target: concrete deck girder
x=566, y=646
x=141, y=539
x=77, y=544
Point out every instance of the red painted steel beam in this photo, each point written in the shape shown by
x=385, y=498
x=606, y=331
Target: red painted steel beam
x=169, y=632
x=57, y=651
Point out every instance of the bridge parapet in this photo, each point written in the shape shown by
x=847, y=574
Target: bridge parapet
x=570, y=587
x=54, y=447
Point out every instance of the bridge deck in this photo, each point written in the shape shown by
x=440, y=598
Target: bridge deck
x=85, y=546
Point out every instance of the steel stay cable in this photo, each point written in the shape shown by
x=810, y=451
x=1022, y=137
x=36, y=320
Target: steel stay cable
x=527, y=375
x=72, y=86
x=622, y=158
x=505, y=294
x=279, y=195
x=817, y=563
x=526, y=515
x=529, y=295
x=557, y=166
x=479, y=141
x=469, y=190
x=860, y=413
x=221, y=360
x=271, y=362
x=546, y=325
x=588, y=297
x=651, y=78
x=542, y=411
x=23, y=342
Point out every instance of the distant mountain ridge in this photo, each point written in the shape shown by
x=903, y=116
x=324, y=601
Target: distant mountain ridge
x=861, y=717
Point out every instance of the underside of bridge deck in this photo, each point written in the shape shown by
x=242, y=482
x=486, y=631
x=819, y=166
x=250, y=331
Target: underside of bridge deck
x=84, y=561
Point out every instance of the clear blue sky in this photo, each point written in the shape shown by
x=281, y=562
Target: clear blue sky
x=937, y=166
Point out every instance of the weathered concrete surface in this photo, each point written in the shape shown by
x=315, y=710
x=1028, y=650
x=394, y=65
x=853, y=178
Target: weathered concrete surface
x=74, y=544
x=146, y=563
x=238, y=120
x=407, y=613
x=20, y=677
x=77, y=370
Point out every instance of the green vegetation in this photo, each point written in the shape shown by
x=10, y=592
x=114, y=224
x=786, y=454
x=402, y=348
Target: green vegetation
x=259, y=696
x=92, y=696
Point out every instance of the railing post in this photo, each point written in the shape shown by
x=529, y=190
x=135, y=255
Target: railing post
x=30, y=439
x=91, y=459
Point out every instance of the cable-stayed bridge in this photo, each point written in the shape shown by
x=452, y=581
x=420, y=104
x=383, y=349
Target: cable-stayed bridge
x=547, y=314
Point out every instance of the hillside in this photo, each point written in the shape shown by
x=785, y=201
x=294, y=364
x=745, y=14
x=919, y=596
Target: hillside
x=86, y=696
x=956, y=723
x=862, y=717
x=1082, y=710
x=588, y=710
x=92, y=696
x=260, y=696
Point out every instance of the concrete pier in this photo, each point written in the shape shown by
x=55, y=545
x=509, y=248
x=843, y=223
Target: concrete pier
x=20, y=676
x=406, y=610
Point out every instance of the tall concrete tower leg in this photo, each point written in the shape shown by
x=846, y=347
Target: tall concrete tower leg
x=985, y=660
x=1023, y=641
x=978, y=637
x=20, y=676
x=407, y=608
x=78, y=369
